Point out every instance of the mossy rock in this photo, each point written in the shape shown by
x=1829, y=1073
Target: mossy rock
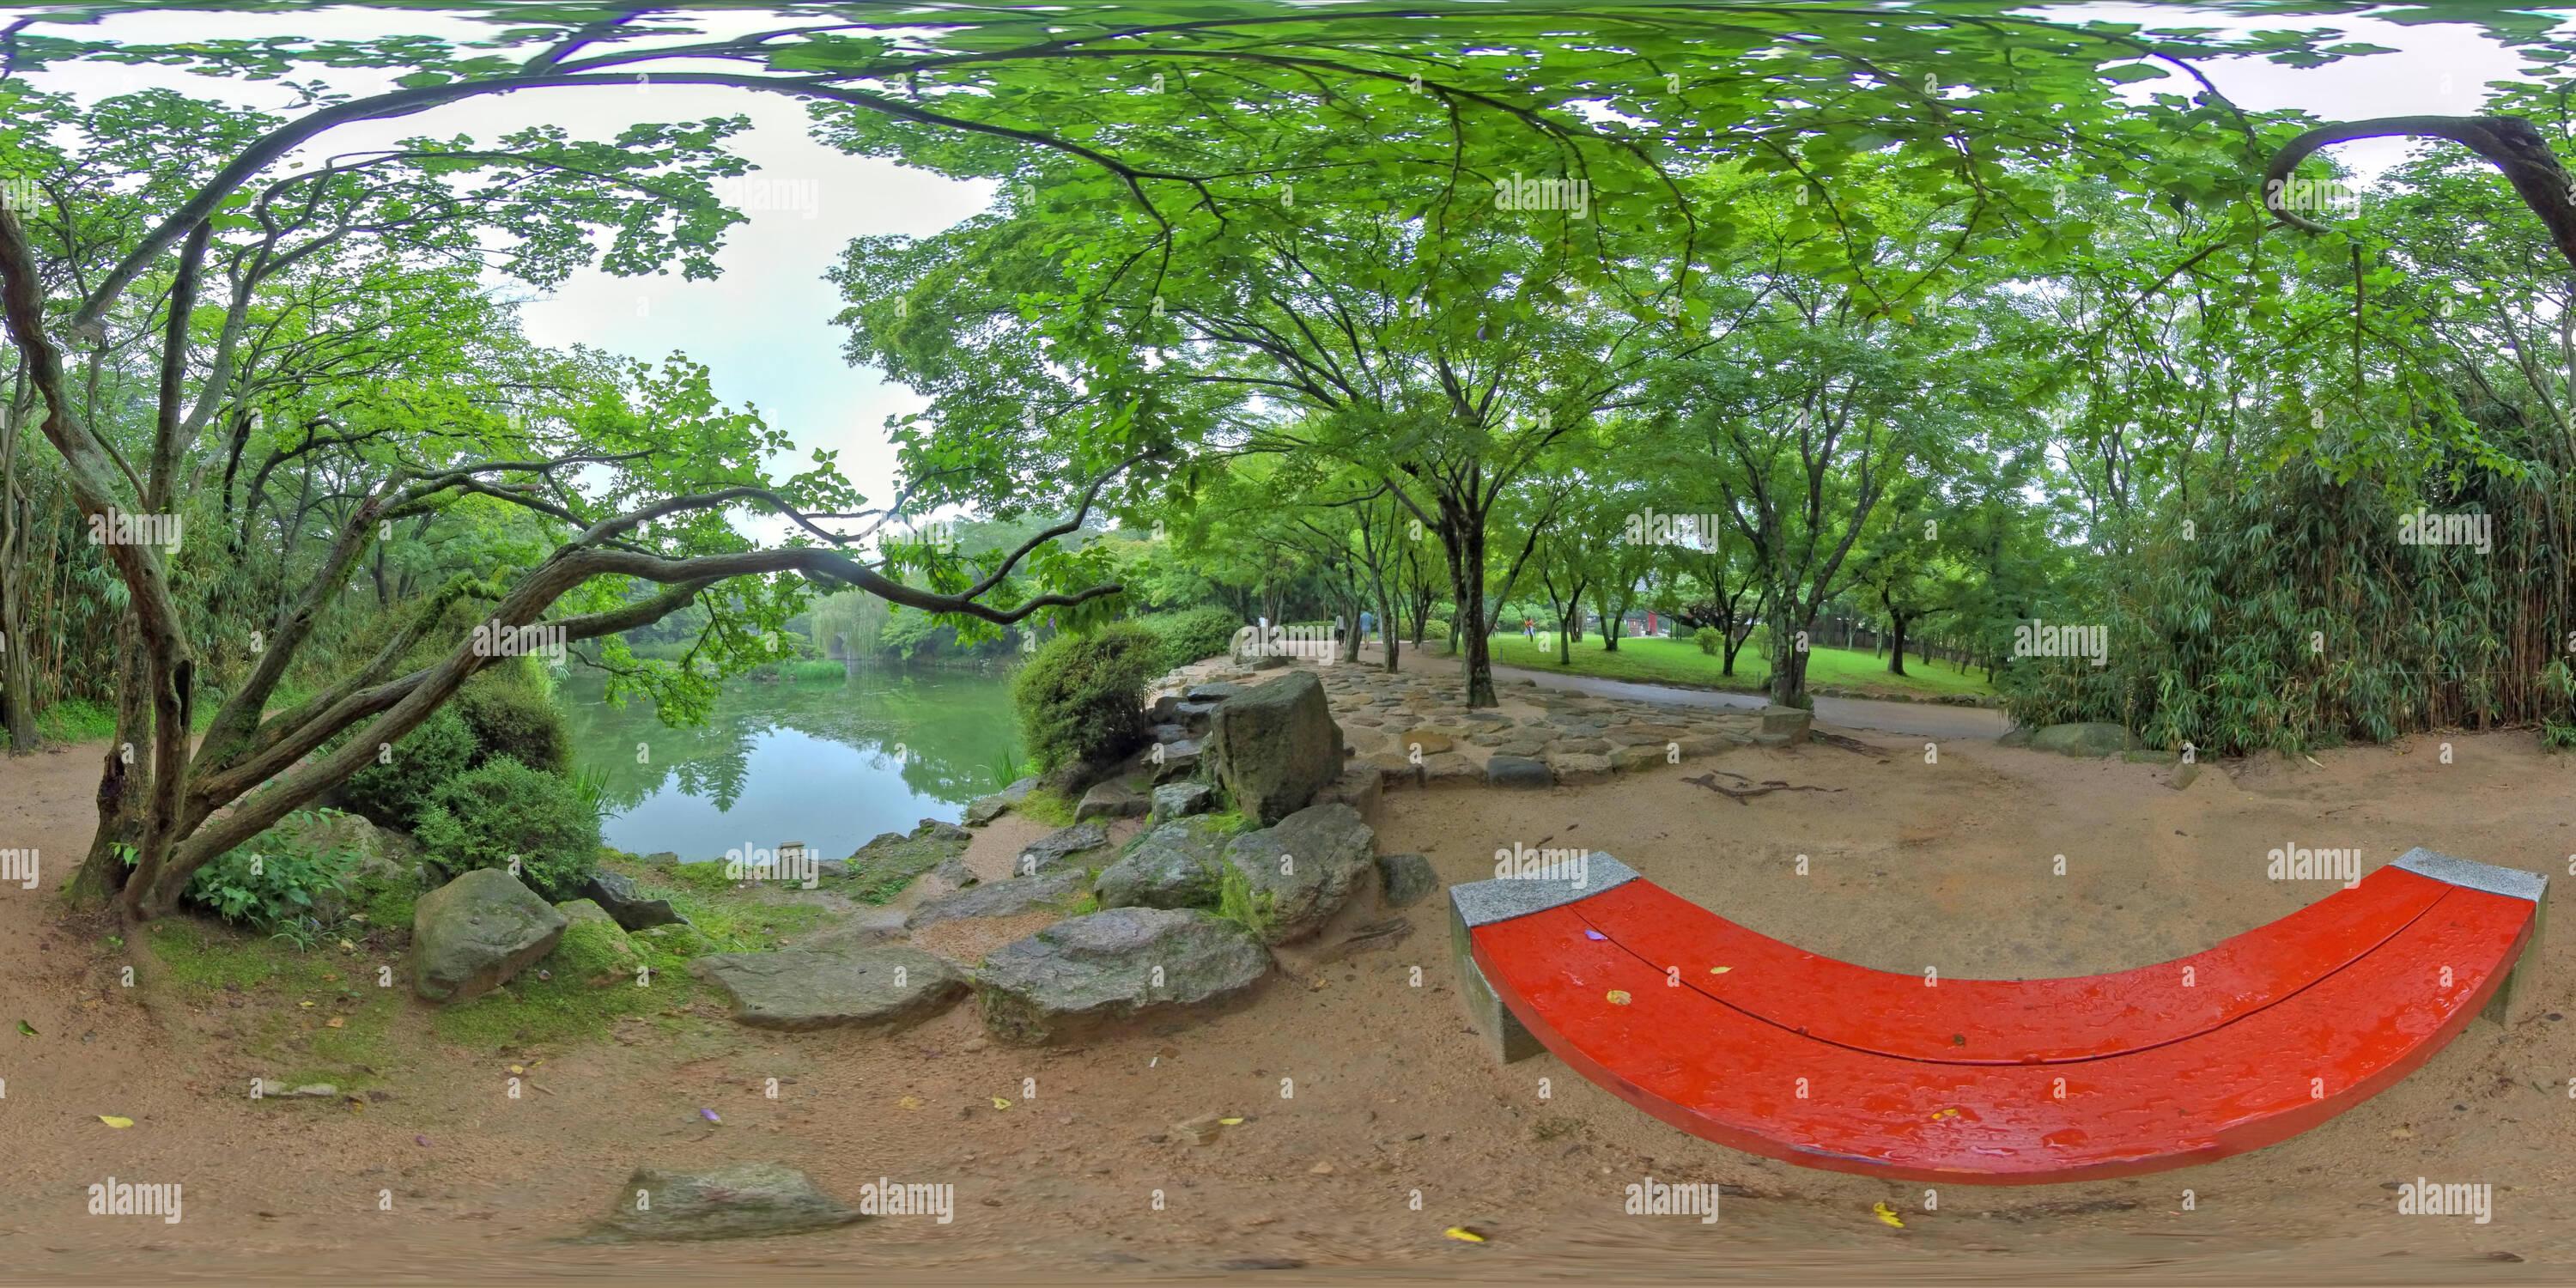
x=594, y=950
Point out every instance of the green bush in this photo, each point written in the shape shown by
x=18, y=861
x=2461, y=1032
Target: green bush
x=1192, y=634
x=513, y=717
x=1082, y=697
x=1435, y=629
x=1710, y=639
x=393, y=790
x=271, y=884
x=502, y=809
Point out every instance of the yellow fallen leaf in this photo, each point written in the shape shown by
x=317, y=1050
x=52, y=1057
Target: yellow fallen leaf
x=1881, y=1209
x=304, y=1004
x=116, y=1122
x=1230, y=1122
x=1463, y=1234
x=1940, y=1114
x=516, y=1069
x=999, y=1103
x=335, y=1022
x=1618, y=997
x=1719, y=970
x=910, y=1102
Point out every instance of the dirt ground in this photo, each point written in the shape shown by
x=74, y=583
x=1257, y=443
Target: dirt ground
x=1910, y=864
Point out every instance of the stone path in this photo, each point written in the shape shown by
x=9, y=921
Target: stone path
x=1932, y=720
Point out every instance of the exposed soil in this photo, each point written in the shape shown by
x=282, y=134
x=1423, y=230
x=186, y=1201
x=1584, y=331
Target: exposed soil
x=1910, y=864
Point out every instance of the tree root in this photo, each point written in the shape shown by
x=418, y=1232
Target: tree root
x=1752, y=789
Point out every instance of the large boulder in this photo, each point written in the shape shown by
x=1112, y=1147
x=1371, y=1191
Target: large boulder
x=1112, y=799
x=618, y=897
x=1173, y=866
x=894, y=858
x=471, y=935
x=1361, y=787
x=1006, y=898
x=1061, y=849
x=1307, y=866
x=1110, y=966
x=2091, y=739
x=1275, y=746
x=894, y=986
x=594, y=949
x=730, y=1202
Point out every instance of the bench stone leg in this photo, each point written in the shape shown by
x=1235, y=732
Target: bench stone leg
x=1504, y=1035
x=2519, y=995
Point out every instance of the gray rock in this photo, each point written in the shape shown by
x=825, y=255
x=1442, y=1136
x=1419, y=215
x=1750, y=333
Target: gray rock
x=1173, y=866
x=619, y=898
x=1088, y=971
x=956, y=874
x=1404, y=878
x=576, y=911
x=1361, y=787
x=1275, y=746
x=1211, y=692
x=734, y=1201
x=2016, y=738
x=1006, y=898
x=2090, y=739
x=894, y=858
x=471, y=935
x=1517, y=771
x=891, y=985
x=1180, y=760
x=1180, y=800
x=1069, y=780
x=1060, y=849
x=988, y=808
x=1791, y=721
x=1323, y=851
x=1111, y=799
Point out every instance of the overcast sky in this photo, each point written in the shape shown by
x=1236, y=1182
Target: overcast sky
x=765, y=325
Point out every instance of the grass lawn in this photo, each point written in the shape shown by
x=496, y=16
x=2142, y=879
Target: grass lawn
x=1667, y=661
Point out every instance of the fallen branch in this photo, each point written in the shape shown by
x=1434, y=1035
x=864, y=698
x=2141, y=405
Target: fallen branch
x=1709, y=781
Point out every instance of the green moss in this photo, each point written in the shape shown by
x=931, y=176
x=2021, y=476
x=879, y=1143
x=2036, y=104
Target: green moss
x=1046, y=807
x=529, y=1011
x=593, y=952
x=293, y=1041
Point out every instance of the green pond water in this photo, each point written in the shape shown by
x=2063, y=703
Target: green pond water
x=827, y=762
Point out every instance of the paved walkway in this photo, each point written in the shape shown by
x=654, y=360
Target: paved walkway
x=1925, y=719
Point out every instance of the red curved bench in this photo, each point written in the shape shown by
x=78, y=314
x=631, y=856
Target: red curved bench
x=1746, y=1041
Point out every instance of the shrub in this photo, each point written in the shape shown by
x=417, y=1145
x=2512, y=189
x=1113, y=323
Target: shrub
x=393, y=792
x=1435, y=629
x=502, y=809
x=1710, y=639
x=273, y=884
x=1082, y=697
x=1192, y=634
x=511, y=716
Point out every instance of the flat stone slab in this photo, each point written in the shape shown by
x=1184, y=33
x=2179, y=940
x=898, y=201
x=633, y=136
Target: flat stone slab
x=1517, y=771
x=891, y=985
x=739, y=1200
x=1005, y=898
x=1113, y=966
x=1111, y=799
x=1057, y=849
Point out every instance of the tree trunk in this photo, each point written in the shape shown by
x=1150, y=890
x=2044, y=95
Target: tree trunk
x=1896, y=657
x=1464, y=538
x=1789, y=662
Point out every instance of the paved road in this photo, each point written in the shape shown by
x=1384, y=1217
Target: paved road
x=1927, y=719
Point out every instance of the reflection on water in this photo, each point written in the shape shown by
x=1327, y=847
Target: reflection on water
x=827, y=762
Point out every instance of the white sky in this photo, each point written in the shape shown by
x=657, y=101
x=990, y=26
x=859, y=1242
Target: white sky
x=764, y=325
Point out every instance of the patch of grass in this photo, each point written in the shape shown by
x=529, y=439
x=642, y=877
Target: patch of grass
x=76, y=720
x=387, y=904
x=1679, y=661
x=529, y=1011
x=1046, y=807
x=296, y=1042
x=700, y=878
